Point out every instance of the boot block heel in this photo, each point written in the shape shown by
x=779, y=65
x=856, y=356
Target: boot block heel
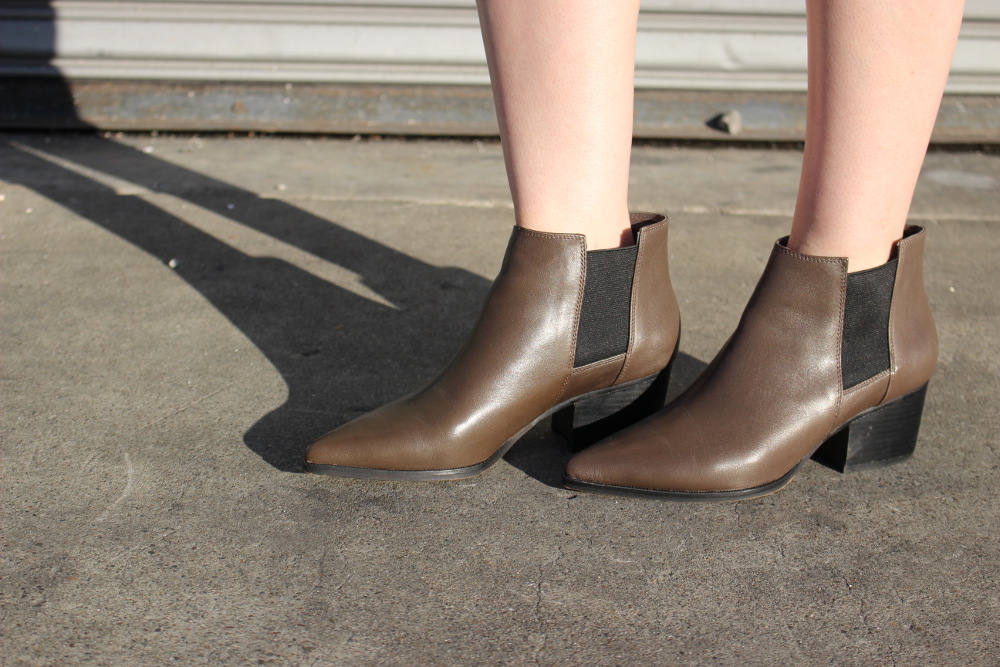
x=598, y=415
x=886, y=435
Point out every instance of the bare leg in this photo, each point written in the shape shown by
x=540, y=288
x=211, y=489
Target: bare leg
x=563, y=73
x=876, y=75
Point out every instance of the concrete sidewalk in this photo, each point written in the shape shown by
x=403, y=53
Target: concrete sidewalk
x=183, y=315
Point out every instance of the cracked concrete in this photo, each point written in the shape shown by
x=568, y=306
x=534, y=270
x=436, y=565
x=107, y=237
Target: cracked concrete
x=183, y=314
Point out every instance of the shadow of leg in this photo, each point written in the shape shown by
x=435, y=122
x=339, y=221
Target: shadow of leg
x=339, y=353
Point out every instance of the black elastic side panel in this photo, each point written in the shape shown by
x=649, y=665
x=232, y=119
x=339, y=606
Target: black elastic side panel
x=604, y=315
x=866, y=323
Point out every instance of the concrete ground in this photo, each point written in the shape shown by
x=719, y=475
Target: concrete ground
x=182, y=315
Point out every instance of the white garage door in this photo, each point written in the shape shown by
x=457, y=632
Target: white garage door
x=683, y=44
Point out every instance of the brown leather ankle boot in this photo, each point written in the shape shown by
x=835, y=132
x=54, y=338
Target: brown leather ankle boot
x=824, y=364
x=561, y=328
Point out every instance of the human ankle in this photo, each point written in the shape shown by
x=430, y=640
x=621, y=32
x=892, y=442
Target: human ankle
x=608, y=235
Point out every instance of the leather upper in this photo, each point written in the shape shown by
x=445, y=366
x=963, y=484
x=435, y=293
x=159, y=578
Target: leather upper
x=516, y=364
x=774, y=392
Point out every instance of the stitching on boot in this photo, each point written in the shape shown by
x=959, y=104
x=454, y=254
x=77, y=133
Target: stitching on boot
x=581, y=281
x=840, y=343
x=901, y=245
x=861, y=385
x=640, y=254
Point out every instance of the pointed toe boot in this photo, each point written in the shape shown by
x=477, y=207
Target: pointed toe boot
x=586, y=337
x=824, y=364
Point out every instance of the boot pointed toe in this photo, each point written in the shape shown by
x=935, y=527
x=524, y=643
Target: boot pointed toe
x=344, y=447
x=640, y=460
x=391, y=442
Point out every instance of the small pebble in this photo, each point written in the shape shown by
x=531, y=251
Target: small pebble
x=230, y=206
x=281, y=186
x=147, y=149
x=172, y=264
x=731, y=122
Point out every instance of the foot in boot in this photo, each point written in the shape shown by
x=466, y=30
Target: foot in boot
x=560, y=326
x=823, y=364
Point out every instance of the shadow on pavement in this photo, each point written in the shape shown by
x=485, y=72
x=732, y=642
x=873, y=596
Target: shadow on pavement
x=340, y=354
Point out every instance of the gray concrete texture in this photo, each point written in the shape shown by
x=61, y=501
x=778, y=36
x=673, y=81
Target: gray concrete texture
x=182, y=315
